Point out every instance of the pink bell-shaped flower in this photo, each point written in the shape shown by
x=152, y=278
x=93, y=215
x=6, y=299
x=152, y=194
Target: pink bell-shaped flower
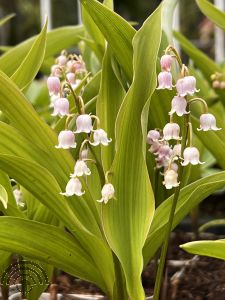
x=53, y=84
x=71, y=77
x=80, y=169
x=62, y=60
x=66, y=140
x=56, y=70
x=153, y=136
x=84, y=123
x=107, y=192
x=179, y=105
x=73, y=187
x=61, y=107
x=164, y=151
x=165, y=80
x=191, y=155
x=186, y=86
x=170, y=179
x=166, y=62
x=100, y=137
x=208, y=122
x=171, y=131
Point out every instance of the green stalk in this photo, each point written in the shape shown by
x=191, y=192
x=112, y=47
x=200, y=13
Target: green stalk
x=161, y=266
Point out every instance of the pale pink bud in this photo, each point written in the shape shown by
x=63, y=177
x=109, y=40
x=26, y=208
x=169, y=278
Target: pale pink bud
x=80, y=169
x=154, y=147
x=66, y=140
x=166, y=62
x=179, y=105
x=171, y=131
x=216, y=84
x=170, y=179
x=165, y=80
x=186, y=86
x=84, y=123
x=153, y=136
x=73, y=187
x=62, y=60
x=191, y=155
x=53, y=84
x=100, y=137
x=61, y=107
x=207, y=122
x=107, y=192
x=79, y=66
x=56, y=70
x=71, y=77
x=164, y=151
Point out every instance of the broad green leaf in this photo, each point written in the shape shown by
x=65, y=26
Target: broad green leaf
x=168, y=8
x=109, y=4
x=32, y=62
x=190, y=196
x=109, y=100
x=3, y=196
x=40, y=241
x=116, y=31
x=214, y=249
x=6, y=19
x=68, y=36
x=127, y=219
x=211, y=12
x=5, y=260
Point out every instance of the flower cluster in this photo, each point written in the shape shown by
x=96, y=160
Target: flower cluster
x=218, y=81
x=166, y=144
x=66, y=74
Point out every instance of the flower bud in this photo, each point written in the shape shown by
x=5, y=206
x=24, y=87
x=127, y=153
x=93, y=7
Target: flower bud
x=71, y=77
x=170, y=179
x=61, y=107
x=53, y=84
x=73, y=187
x=80, y=169
x=153, y=136
x=56, y=71
x=186, y=86
x=179, y=105
x=84, y=154
x=84, y=123
x=107, y=192
x=166, y=62
x=207, y=122
x=171, y=131
x=216, y=84
x=62, y=60
x=164, y=151
x=191, y=155
x=165, y=80
x=66, y=140
x=100, y=137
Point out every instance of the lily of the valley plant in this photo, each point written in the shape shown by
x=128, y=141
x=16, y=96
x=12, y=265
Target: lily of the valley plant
x=79, y=190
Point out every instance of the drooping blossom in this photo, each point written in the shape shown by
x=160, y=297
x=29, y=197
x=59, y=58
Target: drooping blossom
x=186, y=86
x=191, y=155
x=171, y=131
x=53, y=84
x=100, y=137
x=80, y=169
x=179, y=105
x=66, y=140
x=153, y=136
x=62, y=60
x=73, y=187
x=107, y=192
x=165, y=80
x=170, y=179
x=61, y=107
x=208, y=122
x=84, y=123
x=166, y=62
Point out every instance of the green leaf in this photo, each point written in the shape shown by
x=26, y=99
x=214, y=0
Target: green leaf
x=167, y=18
x=127, y=219
x=6, y=19
x=40, y=241
x=109, y=100
x=32, y=62
x=68, y=36
x=214, y=249
x=3, y=196
x=116, y=31
x=211, y=12
x=190, y=196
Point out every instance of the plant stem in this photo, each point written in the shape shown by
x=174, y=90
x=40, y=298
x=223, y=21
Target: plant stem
x=171, y=217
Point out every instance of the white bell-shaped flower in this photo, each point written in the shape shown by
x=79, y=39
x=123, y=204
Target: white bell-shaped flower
x=53, y=84
x=61, y=107
x=208, y=122
x=80, y=169
x=186, y=86
x=84, y=123
x=153, y=136
x=165, y=81
x=171, y=131
x=66, y=140
x=179, y=105
x=73, y=187
x=170, y=179
x=191, y=155
x=100, y=137
x=107, y=192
